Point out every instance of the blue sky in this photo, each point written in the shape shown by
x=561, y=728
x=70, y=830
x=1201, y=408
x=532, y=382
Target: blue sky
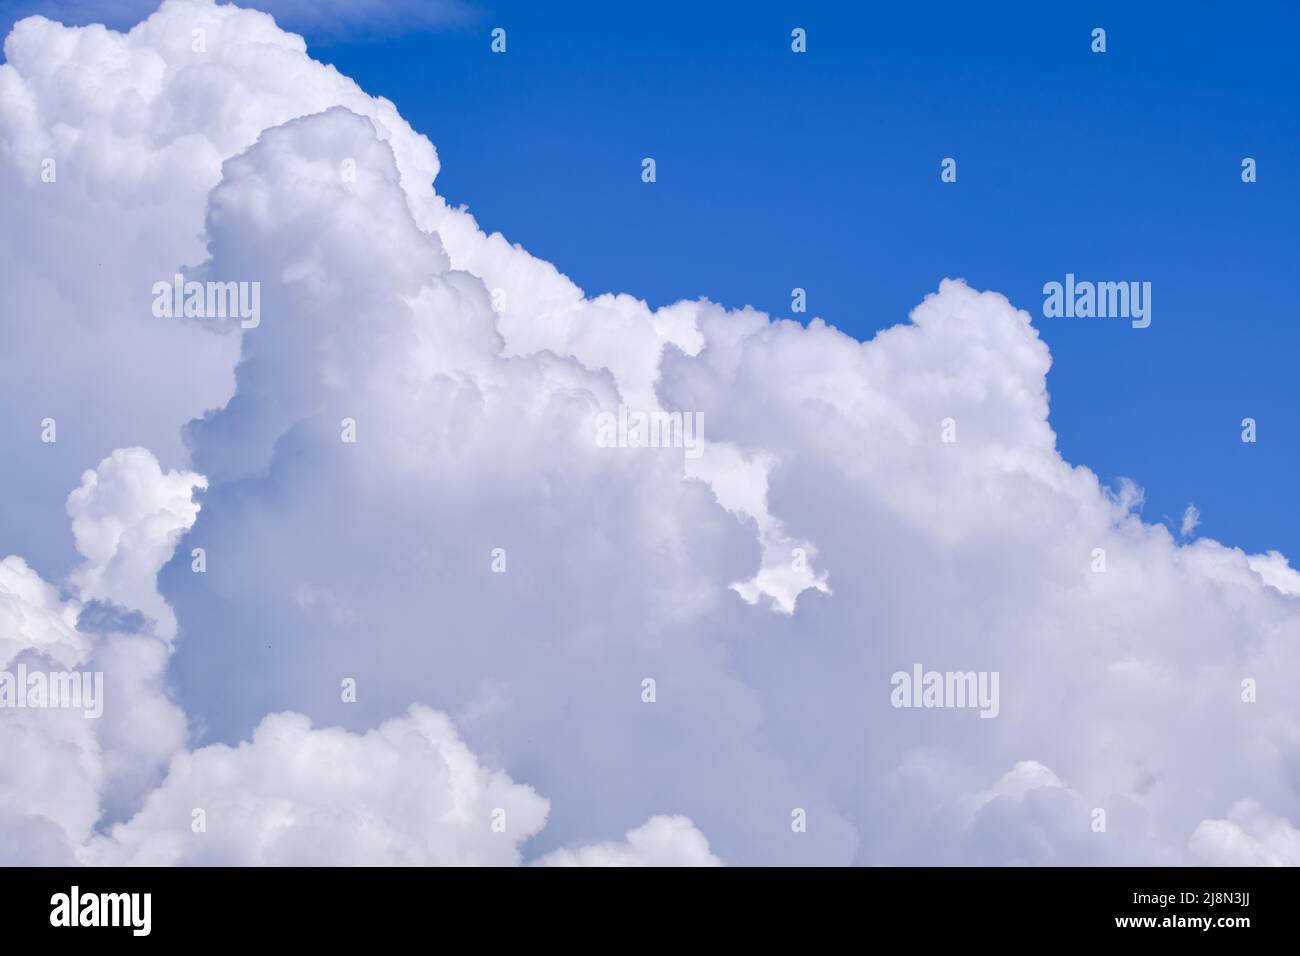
x=822, y=171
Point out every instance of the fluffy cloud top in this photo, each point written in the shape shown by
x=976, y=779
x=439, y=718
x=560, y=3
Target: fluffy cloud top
x=597, y=621
x=126, y=519
x=63, y=772
x=661, y=841
x=408, y=792
x=1249, y=837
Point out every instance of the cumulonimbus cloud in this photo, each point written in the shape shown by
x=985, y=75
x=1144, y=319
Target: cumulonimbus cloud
x=704, y=644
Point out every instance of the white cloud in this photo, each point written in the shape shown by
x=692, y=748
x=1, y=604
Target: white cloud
x=406, y=793
x=34, y=617
x=1276, y=571
x=476, y=431
x=1249, y=837
x=62, y=771
x=660, y=841
x=1191, y=519
x=126, y=518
